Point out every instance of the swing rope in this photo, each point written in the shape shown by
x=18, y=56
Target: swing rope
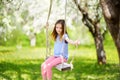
x=48, y=49
x=76, y=46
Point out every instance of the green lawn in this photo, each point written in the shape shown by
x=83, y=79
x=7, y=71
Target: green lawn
x=24, y=64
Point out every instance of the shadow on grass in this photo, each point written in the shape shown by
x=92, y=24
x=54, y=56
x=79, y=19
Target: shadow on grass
x=84, y=69
x=87, y=69
x=90, y=70
x=20, y=70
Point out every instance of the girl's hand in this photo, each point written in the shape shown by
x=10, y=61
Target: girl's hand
x=77, y=42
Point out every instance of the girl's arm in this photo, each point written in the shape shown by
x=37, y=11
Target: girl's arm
x=76, y=42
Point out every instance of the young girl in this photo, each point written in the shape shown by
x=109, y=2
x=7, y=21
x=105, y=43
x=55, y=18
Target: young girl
x=61, y=38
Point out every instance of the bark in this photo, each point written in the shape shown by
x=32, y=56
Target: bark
x=94, y=28
x=98, y=38
x=111, y=12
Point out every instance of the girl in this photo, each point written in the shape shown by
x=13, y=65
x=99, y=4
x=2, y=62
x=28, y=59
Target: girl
x=61, y=38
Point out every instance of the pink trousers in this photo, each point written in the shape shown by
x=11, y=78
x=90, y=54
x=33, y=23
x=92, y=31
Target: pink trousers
x=46, y=67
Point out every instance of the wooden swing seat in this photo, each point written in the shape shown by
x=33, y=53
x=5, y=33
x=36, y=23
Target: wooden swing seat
x=64, y=66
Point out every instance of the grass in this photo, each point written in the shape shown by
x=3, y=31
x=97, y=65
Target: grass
x=24, y=64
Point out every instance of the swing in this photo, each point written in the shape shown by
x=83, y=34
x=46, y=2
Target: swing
x=64, y=65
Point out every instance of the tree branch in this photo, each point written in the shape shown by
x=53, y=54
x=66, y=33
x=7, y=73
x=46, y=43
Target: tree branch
x=86, y=20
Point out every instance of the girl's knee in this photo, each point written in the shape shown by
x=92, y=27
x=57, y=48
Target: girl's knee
x=49, y=66
x=43, y=65
x=46, y=66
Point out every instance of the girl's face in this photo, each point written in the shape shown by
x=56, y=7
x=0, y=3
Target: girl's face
x=59, y=28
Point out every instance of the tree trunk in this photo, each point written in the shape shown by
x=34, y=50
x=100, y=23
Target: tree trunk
x=94, y=28
x=99, y=45
x=111, y=11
